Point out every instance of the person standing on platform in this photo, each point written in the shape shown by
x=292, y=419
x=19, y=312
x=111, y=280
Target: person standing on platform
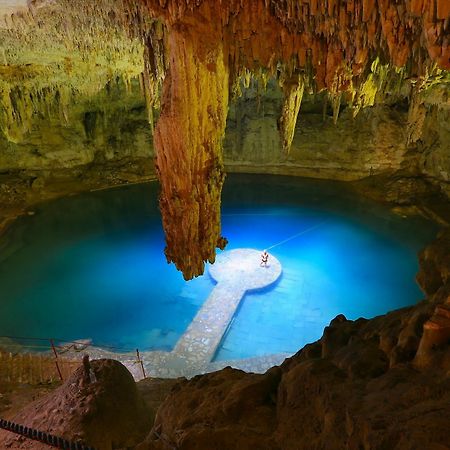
x=264, y=258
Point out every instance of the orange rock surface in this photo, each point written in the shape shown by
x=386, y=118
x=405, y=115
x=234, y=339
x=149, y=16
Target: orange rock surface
x=188, y=137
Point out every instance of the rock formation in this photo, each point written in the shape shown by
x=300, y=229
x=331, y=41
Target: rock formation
x=83, y=49
x=188, y=138
x=107, y=413
x=195, y=56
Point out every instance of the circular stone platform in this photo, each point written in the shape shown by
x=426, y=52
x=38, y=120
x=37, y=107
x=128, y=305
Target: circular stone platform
x=242, y=267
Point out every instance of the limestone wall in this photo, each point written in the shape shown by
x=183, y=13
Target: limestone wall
x=373, y=142
x=109, y=135
x=434, y=153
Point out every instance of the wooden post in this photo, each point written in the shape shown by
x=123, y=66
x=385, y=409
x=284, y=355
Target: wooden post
x=10, y=368
x=41, y=375
x=56, y=359
x=31, y=369
x=141, y=362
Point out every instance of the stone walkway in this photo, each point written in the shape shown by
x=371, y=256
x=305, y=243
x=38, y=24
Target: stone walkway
x=236, y=272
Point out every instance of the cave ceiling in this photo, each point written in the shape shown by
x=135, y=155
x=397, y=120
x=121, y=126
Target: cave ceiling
x=193, y=56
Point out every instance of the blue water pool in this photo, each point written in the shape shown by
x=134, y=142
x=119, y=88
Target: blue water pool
x=92, y=266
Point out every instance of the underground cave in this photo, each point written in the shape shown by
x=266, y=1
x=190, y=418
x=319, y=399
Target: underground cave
x=151, y=151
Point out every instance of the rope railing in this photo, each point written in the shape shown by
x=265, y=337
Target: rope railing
x=42, y=436
x=58, y=347
x=65, y=342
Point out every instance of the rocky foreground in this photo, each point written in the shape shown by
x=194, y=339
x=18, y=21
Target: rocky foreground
x=382, y=383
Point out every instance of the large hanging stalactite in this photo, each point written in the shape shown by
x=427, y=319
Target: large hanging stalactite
x=188, y=137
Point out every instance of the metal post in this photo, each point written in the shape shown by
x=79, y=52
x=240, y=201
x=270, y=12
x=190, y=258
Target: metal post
x=141, y=362
x=56, y=359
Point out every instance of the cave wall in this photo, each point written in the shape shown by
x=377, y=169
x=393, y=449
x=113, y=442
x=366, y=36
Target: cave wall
x=109, y=133
x=434, y=151
x=107, y=140
x=373, y=142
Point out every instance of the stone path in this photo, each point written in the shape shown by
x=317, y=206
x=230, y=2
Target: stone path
x=236, y=272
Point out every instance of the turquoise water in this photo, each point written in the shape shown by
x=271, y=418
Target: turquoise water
x=92, y=266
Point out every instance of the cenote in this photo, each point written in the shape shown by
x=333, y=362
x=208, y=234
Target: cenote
x=93, y=266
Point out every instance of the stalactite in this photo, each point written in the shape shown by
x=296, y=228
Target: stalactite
x=417, y=111
x=336, y=105
x=293, y=94
x=154, y=67
x=58, y=52
x=189, y=140
x=416, y=118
